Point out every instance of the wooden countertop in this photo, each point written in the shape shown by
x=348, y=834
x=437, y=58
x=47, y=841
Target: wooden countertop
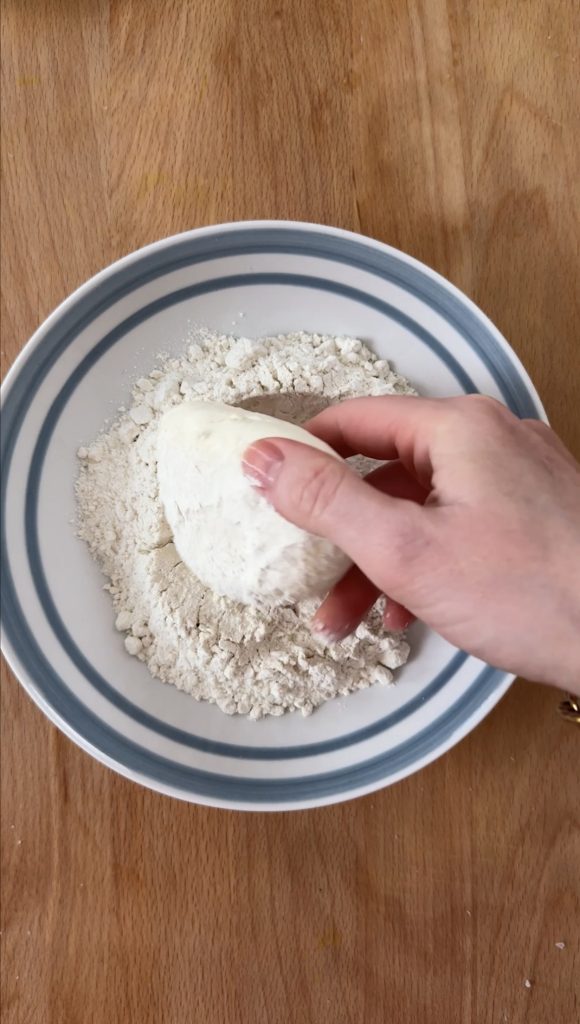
x=449, y=130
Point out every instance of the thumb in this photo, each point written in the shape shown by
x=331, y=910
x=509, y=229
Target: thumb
x=325, y=496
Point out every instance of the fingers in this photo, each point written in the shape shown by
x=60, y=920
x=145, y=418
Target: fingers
x=354, y=595
x=389, y=427
x=346, y=605
x=394, y=479
x=323, y=495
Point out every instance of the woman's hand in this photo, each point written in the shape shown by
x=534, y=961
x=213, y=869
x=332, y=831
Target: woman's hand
x=474, y=526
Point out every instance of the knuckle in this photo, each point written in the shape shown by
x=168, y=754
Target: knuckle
x=482, y=413
x=546, y=442
x=485, y=405
x=317, y=493
x=540, y=428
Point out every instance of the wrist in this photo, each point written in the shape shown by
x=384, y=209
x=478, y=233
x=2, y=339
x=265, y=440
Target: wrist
x=567, y=653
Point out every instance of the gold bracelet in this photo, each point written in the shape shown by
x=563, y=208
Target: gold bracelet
x=570, y=709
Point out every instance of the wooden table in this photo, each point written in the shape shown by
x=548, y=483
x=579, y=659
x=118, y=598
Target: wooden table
x=449, y=130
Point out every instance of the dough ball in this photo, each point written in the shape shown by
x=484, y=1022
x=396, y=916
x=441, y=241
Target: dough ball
x=225, y=531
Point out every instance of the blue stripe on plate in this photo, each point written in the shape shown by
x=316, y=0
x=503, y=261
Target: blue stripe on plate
x=181, y=253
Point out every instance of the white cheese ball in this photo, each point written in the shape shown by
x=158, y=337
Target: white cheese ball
x=225, y=531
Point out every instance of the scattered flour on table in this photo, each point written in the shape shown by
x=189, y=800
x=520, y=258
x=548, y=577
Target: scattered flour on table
x=245, y=660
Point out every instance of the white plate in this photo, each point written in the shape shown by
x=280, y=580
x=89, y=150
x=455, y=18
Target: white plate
x=58, y=628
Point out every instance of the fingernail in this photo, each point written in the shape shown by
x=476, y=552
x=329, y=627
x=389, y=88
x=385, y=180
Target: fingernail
x=262, y=463
x=396, y=617
x=323, y=632
x=331, y=635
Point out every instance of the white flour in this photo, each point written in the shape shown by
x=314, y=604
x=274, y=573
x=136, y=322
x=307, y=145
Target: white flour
x=242, y=659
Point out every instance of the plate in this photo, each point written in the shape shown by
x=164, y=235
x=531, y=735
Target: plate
x=251, y=279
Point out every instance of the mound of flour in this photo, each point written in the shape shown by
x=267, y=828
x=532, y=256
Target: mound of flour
x=245, y=660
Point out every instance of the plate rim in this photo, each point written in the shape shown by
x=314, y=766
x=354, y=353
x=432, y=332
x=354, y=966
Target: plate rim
x=238, y=225
x=111, y=270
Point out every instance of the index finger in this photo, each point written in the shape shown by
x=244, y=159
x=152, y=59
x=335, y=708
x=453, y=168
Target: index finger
x=386, y=427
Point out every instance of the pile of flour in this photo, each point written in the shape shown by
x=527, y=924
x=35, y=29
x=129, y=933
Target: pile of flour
x=245, y=660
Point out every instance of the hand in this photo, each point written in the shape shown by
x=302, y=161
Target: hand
x=474, y=526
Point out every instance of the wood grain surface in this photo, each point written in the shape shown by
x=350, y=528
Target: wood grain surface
x=448, y=129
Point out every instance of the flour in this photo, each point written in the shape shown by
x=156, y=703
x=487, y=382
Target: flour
x=243, y=659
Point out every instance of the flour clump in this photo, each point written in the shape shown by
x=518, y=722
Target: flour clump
x=245, y=659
